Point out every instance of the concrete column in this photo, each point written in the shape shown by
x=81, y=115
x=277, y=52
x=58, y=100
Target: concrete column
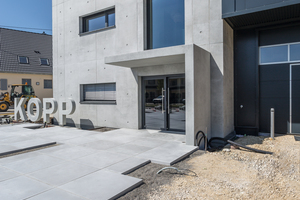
x=197, y=77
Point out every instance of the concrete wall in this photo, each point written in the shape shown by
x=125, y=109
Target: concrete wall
x=40, y=92
x=80, y=60
x=206, y=29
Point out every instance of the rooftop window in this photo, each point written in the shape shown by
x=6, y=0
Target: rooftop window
x=23, y=60
x=44, y=61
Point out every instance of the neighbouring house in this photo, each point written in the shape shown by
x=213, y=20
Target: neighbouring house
x=26, y=57
x=176, y=65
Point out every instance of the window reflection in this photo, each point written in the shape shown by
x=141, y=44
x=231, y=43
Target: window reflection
x=165, y=23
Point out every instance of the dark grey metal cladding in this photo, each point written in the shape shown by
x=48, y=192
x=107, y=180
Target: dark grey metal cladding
x=274, y=93
x=283, y=35
x=240, y=7
x=15, y=43
x=247, y=13
x=268, y=87
x=245, y=79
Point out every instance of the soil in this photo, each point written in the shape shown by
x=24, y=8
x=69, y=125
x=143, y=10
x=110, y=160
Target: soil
x=228, y=174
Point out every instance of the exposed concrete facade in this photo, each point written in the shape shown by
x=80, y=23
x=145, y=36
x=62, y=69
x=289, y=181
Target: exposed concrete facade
x=118, y=55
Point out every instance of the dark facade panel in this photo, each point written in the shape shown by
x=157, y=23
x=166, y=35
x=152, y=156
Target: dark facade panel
x=245, y=78
x=280, y=36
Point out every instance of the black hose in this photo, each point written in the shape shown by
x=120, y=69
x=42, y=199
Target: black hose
x=199, y=139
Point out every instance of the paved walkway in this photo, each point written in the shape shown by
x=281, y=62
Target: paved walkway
x=84, y=164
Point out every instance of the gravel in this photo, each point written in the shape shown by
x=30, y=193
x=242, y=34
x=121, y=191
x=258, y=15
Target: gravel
x=234, y=174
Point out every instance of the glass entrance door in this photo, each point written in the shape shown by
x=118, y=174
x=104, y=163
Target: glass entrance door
x=176, y=103
x=164, y=103
x=154, y=97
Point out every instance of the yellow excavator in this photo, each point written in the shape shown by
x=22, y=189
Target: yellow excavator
x=17, y=91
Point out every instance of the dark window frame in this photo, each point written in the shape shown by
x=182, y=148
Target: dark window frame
x=22, y=62
x=82, y=95
x=84, y=20
x=45, y=84
x=48, y=62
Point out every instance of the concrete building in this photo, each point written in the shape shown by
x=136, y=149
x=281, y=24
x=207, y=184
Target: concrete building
x=26, y=57
x=166, y=65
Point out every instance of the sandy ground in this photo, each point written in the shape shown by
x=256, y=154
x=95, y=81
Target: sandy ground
x=234, y=174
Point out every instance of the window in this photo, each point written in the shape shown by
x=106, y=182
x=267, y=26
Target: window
x=44, y=61
x=295, y=52
x=99, y=21
x=23, y=60
x=282, y=53
x=165, y=23
x=3, y=84
x=26, y=81
x=98, y=93
x=47, y=84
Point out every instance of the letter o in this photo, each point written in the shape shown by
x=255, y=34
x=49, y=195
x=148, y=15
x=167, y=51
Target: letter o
x=38, y=114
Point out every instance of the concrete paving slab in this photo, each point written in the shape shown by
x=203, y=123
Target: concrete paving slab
x=101, y=144
x=129, y=149
x=21, y=188
x=71, y=152
x=33, y=164
x=19, y=157
x=79, y=140
x=62, y=173
x=56, y=194
x=7, y=174
x=168, y=154
x=148, y=142
x=115, y=138
x=129, y=165
x=102, y=185
x=102, y=159
x=77, y=163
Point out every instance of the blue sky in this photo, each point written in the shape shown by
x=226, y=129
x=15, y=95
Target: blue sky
x=28, y=14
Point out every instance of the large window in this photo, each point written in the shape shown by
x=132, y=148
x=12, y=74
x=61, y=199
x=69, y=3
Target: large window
x=165, y=23
x=281, y=53
x=99, y=21
x=98, y=93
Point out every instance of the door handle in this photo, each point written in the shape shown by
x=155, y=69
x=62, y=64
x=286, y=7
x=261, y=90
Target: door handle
x=168, y=100
x=162, y=100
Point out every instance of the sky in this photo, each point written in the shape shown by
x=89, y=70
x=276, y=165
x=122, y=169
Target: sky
x=33, y=15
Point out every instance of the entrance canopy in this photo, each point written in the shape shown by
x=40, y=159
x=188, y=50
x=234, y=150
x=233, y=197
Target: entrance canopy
x=162, y=56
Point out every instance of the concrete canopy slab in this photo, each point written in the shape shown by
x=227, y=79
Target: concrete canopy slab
x=102, y=185
x=162, y=56
x=21, y=188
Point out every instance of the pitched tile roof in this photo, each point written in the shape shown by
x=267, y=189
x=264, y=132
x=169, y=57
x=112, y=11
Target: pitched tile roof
x=14, y=43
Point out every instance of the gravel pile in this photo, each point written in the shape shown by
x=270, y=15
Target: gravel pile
x=234, y=174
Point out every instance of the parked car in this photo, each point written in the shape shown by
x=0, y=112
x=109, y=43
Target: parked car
x=157, y=99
